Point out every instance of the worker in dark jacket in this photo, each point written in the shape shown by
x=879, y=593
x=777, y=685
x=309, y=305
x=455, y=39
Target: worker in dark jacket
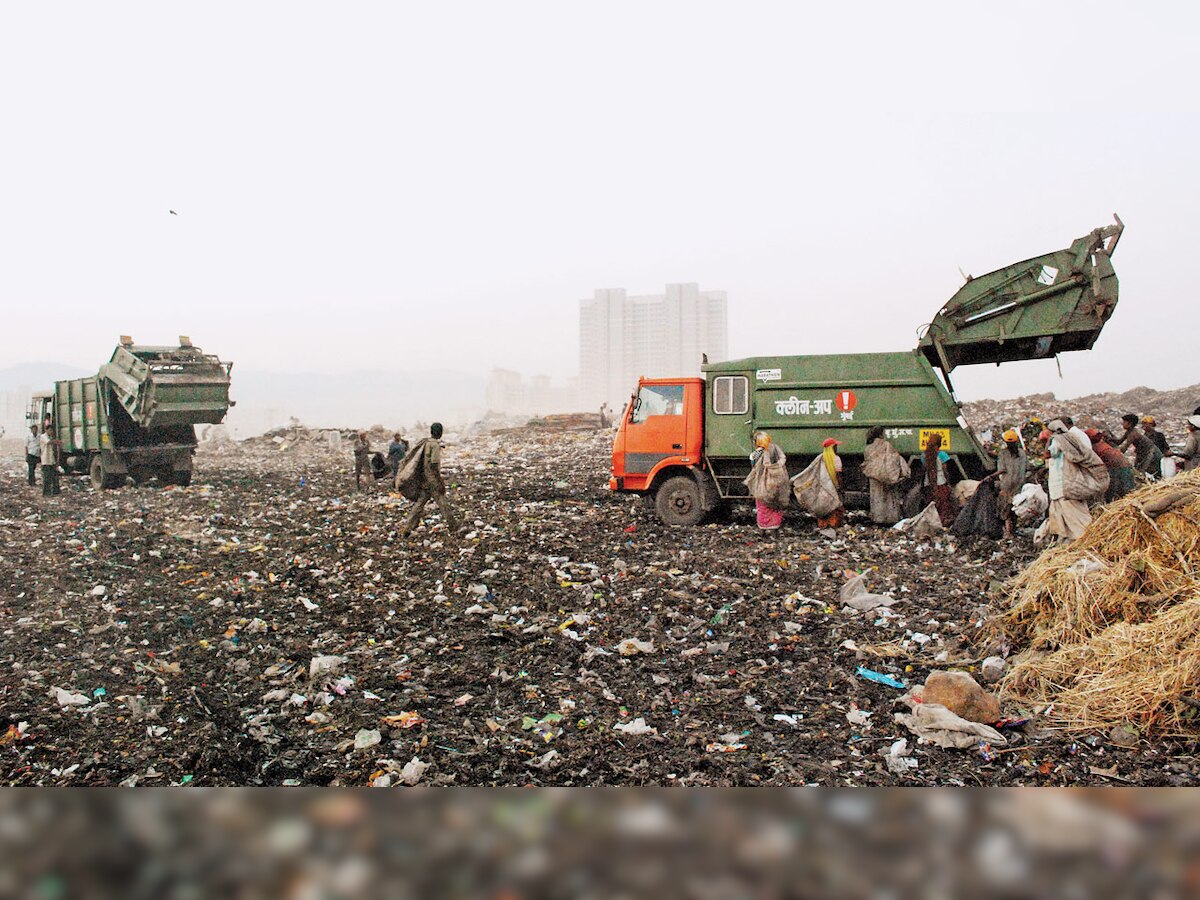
x=1157, y=437
x=433, y=486
x=397, y=450
x=1147, y=457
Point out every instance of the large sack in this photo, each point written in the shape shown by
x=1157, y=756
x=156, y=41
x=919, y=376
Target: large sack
x=768, y=482
x=981, y=517
x=410, y=478
x=883, y=463
x=1085, y=477
x=814, y=490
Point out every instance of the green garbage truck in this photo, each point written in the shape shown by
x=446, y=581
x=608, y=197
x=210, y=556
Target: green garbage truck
x=136, y=417
x=686, y=442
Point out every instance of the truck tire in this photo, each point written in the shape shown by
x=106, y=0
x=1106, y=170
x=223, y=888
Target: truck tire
x=183, y=479
x=102, y=480
x=678, y=501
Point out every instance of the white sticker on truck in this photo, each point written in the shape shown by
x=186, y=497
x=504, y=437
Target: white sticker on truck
x=769, y=375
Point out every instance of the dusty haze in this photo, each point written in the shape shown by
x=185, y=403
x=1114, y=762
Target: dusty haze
x=431, y=188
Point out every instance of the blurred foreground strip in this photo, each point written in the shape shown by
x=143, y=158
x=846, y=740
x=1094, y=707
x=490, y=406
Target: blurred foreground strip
x=600, y=843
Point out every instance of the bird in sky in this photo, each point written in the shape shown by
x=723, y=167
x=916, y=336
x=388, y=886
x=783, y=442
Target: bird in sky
x=172, y=212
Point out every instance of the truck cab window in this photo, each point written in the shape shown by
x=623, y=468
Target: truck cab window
x=657, y=400
x=731, y=395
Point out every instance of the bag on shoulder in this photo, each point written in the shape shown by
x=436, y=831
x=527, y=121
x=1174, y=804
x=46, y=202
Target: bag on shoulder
x=410, y=477
x=885, y=465
x=814, y=489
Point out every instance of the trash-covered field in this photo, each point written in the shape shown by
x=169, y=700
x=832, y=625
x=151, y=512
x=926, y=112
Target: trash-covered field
x=265, y=626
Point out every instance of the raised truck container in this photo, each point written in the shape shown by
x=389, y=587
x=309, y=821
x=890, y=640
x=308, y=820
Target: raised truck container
x=687, y=441
x=136, y=417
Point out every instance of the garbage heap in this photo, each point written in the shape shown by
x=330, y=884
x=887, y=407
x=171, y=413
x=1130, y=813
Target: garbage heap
x=1111, y=622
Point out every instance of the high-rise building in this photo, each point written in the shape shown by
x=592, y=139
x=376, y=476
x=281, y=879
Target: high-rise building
x=622, y=338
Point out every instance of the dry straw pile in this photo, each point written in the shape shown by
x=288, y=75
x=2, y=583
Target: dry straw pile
x=1111, y=622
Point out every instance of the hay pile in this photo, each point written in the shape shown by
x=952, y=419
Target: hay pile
x=1111, y=622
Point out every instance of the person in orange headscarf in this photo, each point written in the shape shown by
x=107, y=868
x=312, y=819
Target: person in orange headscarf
x=833, y=465
x=769, y=501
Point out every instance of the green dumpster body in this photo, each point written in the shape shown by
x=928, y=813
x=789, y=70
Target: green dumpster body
x=804, y=400
x=1033, y=309
x=137, y=415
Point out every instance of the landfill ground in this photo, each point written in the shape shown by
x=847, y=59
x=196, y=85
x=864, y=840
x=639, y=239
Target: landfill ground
x=267, y=626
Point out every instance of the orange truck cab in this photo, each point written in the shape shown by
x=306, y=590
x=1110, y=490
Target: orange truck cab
x=659, y=448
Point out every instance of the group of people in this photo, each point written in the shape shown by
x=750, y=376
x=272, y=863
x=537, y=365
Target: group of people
x=41, y=452
x=416, y=472
x=1081, y=466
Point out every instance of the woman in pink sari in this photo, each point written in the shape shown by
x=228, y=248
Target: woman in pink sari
x=767, y=456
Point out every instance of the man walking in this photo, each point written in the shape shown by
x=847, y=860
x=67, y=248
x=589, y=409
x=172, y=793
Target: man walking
x=49, y=453
x=432, y=486
x=33, y=454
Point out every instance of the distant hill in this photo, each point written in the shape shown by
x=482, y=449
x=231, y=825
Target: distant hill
x=1170, y=408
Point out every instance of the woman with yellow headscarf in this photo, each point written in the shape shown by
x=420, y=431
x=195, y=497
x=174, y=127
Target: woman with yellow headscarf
x=833, y=466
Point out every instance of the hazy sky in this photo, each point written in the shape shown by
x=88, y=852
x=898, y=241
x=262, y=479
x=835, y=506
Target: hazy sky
x=403, y=185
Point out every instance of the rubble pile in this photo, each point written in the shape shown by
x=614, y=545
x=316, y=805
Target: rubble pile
x=267, y=626
x=1103, y=411
x=557, y=423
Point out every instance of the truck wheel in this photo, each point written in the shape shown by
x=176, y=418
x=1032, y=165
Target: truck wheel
x=183, y=479
x=102, y=480
x=678, y=501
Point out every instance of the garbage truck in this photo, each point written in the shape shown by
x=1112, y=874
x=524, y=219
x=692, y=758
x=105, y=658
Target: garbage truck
x=136, y=417
x=686, y=442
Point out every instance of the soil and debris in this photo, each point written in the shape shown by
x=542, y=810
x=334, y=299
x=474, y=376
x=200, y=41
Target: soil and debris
x=266, y=626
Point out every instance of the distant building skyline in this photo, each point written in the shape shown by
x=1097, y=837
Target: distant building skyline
x=622, y=338
x=512, y=392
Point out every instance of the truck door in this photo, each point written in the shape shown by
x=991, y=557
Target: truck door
x=655, y=430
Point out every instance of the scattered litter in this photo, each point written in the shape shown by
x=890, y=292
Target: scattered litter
x=366, y=737
x=633, y=646
x=878, y=677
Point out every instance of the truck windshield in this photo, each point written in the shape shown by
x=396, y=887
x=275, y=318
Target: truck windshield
x=657, y=400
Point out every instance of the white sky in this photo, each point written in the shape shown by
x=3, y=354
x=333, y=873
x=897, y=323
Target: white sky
x=404, y=185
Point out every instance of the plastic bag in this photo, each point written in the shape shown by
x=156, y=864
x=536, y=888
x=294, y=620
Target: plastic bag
x=926, y=523
x=1030, y=503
